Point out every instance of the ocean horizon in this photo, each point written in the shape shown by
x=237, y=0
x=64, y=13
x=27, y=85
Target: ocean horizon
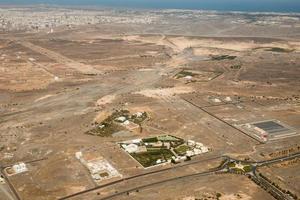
x=217, y=5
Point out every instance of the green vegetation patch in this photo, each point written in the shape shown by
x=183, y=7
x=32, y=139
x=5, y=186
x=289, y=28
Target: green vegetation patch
x=149, y=158
x=107, y=127
x=111, y=124
x=223, y=57
x=139, y=118
x=150, y=140
x=236, y=67
x=168, y=138
x=184, y=73
x=247, y=168
x=231, y=164
x=280, y=50
x=237, y=170
x=104, y=174
x=182, y=149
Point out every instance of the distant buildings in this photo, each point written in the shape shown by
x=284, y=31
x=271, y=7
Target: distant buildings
x=162, y=149
x=19, y=168
x=99, y=168
x=16, y=169
x=31, y=19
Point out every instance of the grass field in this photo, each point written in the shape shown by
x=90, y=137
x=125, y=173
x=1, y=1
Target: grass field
x=149, y=158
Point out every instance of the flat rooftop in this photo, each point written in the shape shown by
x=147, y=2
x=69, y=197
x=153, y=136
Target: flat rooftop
x=271, y=127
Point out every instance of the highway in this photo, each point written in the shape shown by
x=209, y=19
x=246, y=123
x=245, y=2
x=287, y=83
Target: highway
x=4, y=192
x=8, y=189
x=138, y=176
x=223, y=168
x=277, y=160
x=261, y=181
x=160, y=182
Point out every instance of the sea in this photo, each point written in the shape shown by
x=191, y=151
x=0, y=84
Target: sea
x=218, y=5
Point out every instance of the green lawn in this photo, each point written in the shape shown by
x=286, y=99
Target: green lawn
x=247, y=168
x=150, y=157
x=168, y=138
x=223, y=57
x=107, y=131
x=150, y=140
x=280, y=50
x=231, y=164
x=181, y=150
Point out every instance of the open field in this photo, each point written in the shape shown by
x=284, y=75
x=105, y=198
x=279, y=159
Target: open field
x=88, y=86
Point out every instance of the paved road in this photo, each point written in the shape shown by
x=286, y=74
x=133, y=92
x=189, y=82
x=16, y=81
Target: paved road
x=7, y=189
x=277, y=160
x=159, y=182
x=83, y=68
x=210, y=172
x=139, y=176
x=5, y=192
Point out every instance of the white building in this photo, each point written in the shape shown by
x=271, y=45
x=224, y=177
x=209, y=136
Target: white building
x=19, y=168
x=228, y=99
x=191, y=143
x=216, y=100
x=197, y=151
x=121, y=119
x=190, y=153
x=204, y=149
x=131, y=148
x=78, y=155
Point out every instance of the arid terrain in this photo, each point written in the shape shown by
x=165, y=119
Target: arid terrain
x=209, y=77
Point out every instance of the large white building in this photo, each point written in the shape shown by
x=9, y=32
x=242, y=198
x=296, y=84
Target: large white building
x=19, y=168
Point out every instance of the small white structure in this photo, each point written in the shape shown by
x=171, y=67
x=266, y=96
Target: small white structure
x=131, y=148
x=136, y=141
x=248, y=125
x=199, y=145
x=191, y=143
x=204, y=149
x=31, y=59
x=197, y=151
x=101, y=126
x=139, y=114
x=228, y=99
x=78, y=155
x=96, y=177
x=127, y=122
x=2, y=180
x=121, y=119
x=261, y=131
x=190, y=153
x=188, y=77
x=216, y=100
x=19, y=168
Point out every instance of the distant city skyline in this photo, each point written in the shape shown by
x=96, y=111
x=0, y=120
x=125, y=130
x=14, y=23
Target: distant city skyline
x=221, y=5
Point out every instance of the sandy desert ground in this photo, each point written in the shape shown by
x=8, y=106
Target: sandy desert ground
x=55, y=87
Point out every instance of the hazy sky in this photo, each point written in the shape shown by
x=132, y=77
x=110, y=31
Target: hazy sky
x=239, y=5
